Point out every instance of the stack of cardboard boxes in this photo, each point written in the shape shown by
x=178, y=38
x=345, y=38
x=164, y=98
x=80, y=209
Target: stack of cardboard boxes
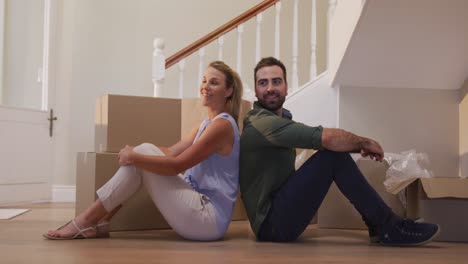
x=438, y=200
x=132, y=120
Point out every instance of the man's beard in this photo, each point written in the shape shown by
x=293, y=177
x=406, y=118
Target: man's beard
x=272, y=106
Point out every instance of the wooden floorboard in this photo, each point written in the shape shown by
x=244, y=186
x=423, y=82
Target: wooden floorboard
x=21, y=242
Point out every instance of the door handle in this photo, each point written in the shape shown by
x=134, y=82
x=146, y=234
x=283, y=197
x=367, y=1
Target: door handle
x=51, y=119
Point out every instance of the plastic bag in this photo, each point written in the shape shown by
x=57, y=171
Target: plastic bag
x=404, y=168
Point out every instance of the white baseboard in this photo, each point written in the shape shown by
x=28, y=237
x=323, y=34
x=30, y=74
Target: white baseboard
x=63, y=193
x=24, y=193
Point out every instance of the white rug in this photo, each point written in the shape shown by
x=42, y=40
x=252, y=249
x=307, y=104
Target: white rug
x=6, y=214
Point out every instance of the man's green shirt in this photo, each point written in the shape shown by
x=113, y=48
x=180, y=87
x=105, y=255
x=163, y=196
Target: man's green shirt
x=267, y=157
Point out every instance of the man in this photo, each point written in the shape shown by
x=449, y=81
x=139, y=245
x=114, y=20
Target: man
x=280, y=201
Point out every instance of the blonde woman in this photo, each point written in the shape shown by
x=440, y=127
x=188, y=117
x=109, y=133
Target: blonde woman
x=197, y=204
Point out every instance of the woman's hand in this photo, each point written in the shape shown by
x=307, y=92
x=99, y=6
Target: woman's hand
x=126, y=156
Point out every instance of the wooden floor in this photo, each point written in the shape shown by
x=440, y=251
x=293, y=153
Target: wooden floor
x=21, y=242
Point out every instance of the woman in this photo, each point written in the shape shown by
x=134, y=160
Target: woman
x=198, y=204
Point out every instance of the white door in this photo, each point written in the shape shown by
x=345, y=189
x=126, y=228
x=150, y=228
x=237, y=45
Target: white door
x=26, y=142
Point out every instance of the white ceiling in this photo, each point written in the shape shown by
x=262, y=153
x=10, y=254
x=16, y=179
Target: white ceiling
x=408, y=44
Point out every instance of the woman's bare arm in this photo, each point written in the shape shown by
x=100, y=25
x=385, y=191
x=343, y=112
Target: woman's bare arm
x=212, y=140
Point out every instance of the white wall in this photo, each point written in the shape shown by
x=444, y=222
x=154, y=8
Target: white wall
x=342, y=26
x=316, y=104
x=422, y=42
x=401, y=119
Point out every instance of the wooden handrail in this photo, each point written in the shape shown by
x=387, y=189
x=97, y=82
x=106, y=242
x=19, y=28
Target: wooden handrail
x=185, y=52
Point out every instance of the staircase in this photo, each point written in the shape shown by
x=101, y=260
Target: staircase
x=272, y=28
x=310, y=98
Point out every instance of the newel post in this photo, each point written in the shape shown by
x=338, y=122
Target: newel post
x=158, y=67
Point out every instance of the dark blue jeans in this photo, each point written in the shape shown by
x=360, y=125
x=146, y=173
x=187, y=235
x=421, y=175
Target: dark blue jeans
x=298, y=199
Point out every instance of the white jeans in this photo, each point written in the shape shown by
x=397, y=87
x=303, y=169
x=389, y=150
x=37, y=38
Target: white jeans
x=187, y=211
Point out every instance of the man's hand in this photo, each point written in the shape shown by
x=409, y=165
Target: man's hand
x=340, y=140
x=126, y=156
x=370, y=148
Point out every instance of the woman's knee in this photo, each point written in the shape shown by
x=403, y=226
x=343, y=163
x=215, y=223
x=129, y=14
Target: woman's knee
x=147, y=149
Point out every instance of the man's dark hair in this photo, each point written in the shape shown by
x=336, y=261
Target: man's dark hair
x=269, y=61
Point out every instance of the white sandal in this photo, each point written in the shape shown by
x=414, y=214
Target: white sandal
x=81, y=233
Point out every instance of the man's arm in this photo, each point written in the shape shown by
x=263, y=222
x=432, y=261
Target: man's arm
x=343, y=141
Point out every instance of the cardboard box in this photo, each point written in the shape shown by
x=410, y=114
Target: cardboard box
x=443, y=201
x=131, y=120
x=239, y=213
x=302, y=155
x=337, y=212
x=139, y=212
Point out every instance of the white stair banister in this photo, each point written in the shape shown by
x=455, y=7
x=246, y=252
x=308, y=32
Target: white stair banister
x=313, y=42
x=258, y=37
x=331, y=10
x=295, y=77
x=238, y=23
x=277, y=29
x=240, y=30
x=158, y=67
x=201, y=54
x=181, y=65
x=220, y=47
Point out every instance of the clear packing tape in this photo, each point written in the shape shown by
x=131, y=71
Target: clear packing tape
x=405, y=168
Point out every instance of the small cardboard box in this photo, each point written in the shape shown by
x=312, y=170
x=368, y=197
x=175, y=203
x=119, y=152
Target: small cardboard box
x=132, y=120
x=139, y=212
x=337, y=212
x=443, y=201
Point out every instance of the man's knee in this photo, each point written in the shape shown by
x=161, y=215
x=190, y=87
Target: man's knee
x=334, y=154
